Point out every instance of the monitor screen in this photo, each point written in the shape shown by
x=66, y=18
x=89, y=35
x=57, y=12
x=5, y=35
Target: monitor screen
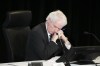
x=81, y=53
x=86, y=52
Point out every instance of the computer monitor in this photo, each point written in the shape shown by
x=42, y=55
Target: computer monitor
x=81, y=53
x=86, y=52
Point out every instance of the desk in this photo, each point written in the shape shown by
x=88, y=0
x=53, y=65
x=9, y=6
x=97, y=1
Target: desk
x=44, y=64
x=50, y=62
x=26, y=63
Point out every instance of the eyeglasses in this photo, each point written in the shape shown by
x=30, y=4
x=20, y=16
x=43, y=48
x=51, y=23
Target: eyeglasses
x=57, y=27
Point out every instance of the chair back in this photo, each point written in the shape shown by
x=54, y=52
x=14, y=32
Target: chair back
x=16, y=29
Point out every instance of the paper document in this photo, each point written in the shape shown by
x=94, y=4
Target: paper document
x=97, y=60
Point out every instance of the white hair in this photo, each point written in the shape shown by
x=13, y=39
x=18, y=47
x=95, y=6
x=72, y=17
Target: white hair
x=57, y=15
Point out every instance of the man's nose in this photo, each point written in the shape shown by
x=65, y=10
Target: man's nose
x=56, y=31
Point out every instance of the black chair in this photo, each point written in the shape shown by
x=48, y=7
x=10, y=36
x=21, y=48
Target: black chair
x=16, y=29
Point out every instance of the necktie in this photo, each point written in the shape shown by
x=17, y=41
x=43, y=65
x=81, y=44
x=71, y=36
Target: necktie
x=50, y=36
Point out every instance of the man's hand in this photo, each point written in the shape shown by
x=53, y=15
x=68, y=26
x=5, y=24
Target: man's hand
x=62, y=36
x=54, y=37
x=65, y=39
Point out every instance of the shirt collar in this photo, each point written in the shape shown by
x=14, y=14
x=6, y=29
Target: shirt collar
x=47, y=30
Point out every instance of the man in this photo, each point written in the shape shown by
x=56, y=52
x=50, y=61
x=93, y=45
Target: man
x=40, y=45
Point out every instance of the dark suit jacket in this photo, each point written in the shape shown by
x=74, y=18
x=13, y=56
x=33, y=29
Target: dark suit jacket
x=39, y=47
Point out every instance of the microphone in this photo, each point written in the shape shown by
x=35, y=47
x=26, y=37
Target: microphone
x=93, y=36
x=66, y=61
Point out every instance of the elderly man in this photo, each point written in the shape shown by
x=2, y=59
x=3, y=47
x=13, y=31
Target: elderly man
x=41, y=46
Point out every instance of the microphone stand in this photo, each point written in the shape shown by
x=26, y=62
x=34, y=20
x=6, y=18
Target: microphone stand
x=64, y=52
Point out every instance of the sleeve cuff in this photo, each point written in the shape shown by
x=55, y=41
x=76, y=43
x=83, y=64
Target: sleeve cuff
x=68, y=45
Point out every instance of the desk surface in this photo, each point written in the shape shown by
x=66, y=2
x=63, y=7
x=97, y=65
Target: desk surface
x=50, y=62
x=44, y=64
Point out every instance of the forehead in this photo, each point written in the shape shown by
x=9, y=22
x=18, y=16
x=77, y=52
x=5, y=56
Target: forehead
x=58, y=24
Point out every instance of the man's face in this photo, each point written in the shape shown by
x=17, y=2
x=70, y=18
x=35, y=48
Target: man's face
x=54, y=27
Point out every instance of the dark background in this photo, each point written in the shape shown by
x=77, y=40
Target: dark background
x=83, y=15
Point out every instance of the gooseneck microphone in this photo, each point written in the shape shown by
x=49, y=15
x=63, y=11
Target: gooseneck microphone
x=93, y=36
x=64, y=52
x=61, y=44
